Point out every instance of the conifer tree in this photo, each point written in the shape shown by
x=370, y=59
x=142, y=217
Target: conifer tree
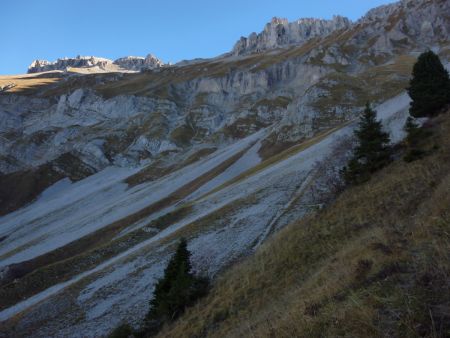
x=414, y=135
x=175, y=291
x=412, y=130
x=372, y=151
x=429, y=87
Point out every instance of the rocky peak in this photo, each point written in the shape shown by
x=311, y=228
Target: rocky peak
x=380, y=12
x=62, y=64
x=37, y=64
x=129, y=63
x=406, y=23
x=278, y=21
x=279, y=32
x=139, y=63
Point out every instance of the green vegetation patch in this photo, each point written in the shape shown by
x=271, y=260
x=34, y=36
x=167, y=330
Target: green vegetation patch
x=182, y=135
x=275, y=103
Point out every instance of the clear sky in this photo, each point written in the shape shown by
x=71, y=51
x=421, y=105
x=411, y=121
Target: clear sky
x=172, y=30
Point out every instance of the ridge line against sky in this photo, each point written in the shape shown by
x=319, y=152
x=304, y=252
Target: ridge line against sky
x=172, y=30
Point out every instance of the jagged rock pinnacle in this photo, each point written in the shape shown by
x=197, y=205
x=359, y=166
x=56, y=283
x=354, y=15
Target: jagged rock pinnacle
x=279, y=33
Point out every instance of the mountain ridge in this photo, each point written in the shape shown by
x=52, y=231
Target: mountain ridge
x=280, y=32
x=127, y=63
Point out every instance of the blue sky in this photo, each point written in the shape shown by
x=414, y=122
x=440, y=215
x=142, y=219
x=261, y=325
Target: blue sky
x=172, y=30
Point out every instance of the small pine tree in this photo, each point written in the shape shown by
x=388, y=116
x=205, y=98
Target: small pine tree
x=414, y=135
x=122, y=331
x=429, y=87
x=372, y=151
x=412, y=130
x=175, y=291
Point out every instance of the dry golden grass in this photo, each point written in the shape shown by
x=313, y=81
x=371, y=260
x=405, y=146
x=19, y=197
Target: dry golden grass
x=375, y=263
x=157, y=169
x=157, y=83
x=27, y=83
x=376, y=84
x=401, y=67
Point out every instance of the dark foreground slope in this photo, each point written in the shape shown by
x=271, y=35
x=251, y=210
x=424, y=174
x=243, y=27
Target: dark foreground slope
x=374, y=263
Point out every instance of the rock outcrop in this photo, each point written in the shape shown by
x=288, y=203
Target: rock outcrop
x=38, y=66
x=6, y=87
x=392, y=28
x=139, y=63
x=129, y=63
x=281, y=33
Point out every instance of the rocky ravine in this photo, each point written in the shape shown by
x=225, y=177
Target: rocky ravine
x=174, y=141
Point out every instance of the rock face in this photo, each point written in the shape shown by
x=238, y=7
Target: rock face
x=62, y=64
x=383, y=29
x=69, y=126
x=139, y=63
x=408, y=22
x=281, y=33
x=129, y=63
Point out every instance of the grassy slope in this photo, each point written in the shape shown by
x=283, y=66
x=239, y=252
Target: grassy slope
x=375, y=84
x=27, y=82
x=374, y=263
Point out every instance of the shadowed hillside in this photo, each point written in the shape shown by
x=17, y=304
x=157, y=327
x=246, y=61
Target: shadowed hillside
x=375, y=263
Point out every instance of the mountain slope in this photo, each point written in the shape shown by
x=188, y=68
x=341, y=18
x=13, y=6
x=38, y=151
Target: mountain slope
x=101, y=174
x=374, y=263
x=237, y=214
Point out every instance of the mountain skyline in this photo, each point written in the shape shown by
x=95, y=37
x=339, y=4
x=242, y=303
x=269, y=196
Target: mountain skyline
x=53, y=30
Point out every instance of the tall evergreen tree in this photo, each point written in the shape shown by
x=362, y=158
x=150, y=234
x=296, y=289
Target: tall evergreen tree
x=429, y=87
x=175, y=291
x=372, y=151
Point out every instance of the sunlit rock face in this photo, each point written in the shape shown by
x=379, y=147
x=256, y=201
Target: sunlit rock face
x=128, y=63
x=139, y=63
x=280, y=33
x=38, y=66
